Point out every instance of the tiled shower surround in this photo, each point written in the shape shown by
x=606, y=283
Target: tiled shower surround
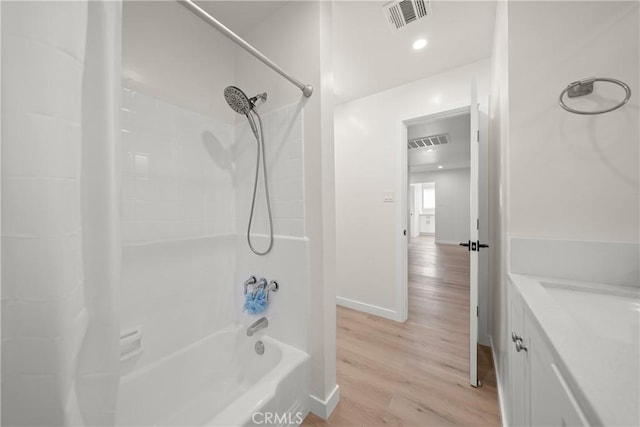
x=186, y=192
x=283, y=146
x=188, y=175
x=177, y=172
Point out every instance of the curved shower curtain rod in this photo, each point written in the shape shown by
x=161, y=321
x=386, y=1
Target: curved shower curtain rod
x=307, y=90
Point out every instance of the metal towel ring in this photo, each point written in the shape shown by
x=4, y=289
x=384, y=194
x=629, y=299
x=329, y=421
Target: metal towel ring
x=585, y=87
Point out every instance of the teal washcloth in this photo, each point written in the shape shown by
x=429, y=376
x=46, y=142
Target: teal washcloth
x=256, y=305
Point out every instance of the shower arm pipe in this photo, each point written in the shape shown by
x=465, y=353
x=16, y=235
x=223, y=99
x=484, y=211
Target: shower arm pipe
x=307, y=90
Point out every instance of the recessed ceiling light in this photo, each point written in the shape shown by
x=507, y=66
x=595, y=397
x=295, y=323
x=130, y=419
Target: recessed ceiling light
x=419, y=44
x=440, y=166
x=429, y=150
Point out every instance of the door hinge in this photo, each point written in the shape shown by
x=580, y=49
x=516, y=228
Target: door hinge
x=477, y=223
x=477, y=311
x=478, y=135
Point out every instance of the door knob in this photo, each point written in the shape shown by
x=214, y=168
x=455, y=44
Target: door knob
x=515, y=337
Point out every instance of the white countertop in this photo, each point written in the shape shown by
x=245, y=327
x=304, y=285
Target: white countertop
x=599, y=356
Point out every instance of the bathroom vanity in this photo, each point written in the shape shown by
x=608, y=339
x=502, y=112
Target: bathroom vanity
x=573, y=353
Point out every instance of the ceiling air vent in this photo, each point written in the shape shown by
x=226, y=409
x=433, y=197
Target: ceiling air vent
x=399, y=13
x=428, y=141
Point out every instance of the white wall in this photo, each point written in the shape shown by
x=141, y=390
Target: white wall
x=498, y=197
x=452, y=203
x=178, y=221
x=0, y=184
x=170, y=53
x=177, y=168
x=557, y=175
x=367, y=134
x=573, y=176
x=284, y=156
x=298, y=39
x=178, y=189
x=416, y=210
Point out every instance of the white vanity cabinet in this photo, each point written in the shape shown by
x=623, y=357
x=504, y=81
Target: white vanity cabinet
x=427, y=224
x=539, y=393
x=519, y=363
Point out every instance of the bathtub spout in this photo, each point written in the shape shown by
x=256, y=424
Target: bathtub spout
x=261, y=323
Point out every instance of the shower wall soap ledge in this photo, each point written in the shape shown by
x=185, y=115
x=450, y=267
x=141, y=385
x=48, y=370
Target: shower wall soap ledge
x=131, y=344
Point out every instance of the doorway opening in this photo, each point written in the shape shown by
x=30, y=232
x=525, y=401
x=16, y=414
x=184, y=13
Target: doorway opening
x=443, y=149
x=422, y=209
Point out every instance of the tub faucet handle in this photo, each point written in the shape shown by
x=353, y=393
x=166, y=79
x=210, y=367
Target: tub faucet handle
x=262, y=283
x=272, y=287
x=250, y=281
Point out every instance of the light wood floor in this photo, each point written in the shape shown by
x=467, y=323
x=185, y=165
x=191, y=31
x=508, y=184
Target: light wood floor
x=415, y=373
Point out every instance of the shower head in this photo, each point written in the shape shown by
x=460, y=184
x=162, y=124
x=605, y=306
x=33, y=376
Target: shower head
x=241, y=103
x=237, y=100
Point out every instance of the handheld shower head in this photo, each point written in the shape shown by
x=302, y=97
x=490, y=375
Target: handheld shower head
x=240, y=102
x=237, y=100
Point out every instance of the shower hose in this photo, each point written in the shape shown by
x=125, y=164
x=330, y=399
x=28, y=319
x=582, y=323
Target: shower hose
x=260, y=153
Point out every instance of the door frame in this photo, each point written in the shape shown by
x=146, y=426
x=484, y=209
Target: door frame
x=402, y=190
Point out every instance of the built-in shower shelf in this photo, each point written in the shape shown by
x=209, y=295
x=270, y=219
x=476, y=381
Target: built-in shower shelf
x=131, y=344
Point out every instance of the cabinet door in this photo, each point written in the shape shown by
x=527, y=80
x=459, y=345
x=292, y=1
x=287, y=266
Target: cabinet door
x=552, y=403
x=519, y=364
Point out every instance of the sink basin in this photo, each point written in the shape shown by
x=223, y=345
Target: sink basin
x=610, y=312
x=594, y=331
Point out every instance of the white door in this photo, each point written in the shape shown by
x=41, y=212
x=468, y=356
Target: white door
x=474, y=240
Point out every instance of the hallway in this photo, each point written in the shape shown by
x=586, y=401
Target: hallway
x=415, y=373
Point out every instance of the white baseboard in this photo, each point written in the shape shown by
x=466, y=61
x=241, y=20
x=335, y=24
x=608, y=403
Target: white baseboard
x=324, y=408
x=368, y=308
x=501, y=395
x=447, y=242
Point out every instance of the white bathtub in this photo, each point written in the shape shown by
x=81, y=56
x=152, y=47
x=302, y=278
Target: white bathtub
x=218, y=381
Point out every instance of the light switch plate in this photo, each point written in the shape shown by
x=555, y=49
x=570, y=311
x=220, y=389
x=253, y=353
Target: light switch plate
x=388, y=197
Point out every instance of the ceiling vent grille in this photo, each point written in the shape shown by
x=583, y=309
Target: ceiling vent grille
x=400, y=13
x=428, y=141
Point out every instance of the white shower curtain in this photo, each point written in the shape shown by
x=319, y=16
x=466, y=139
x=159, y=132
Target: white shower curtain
x=60, y=212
